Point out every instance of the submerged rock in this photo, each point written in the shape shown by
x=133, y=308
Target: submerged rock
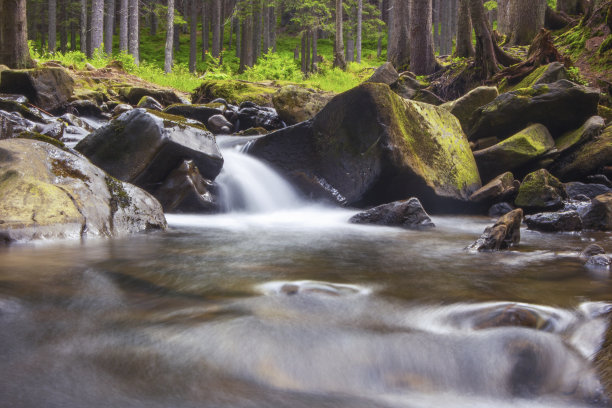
x=46, y=192
x=48, y=88
x=599, y=216
x=599, y=261
x=540, y=190
x=515, y=152
x=505, y=233
x=141, y=147
x=560, y=107
x=370, y=145
x=554, y=221
x=406, y=214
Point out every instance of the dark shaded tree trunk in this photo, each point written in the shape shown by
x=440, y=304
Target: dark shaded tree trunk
x=14, y=51
x=84, y=26
x=193, y=36
x=315, y=38
x=446, y=39
x=73, y=32
x=527, y=18
x=238, y=38
x=216, y=28
x=422, y=58
x=485, y=61
x=339, y=60
x=134, y=29
x=206, y=11
x=123, y=25
x=359, y=30
x=435, y=19
x=398, y=50
x=272, y=11
x=380, y=34
x=169, y=37
x=266, y=29
x=52, y=25
x=230, y=43
x=503, y=17
x=152, y=18
x=465, y=48
x=257, y=29
x=572, y=7
x=97, y=24
x=246, y=47
x=109, y=26
x=63, y=26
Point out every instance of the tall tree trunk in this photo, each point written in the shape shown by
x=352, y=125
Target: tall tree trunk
x=572, y=7
x=97, y=24
x=503, y=17
x=84, y=26
x=257, y=29
x=169, y=37
x=339, y=43
x=193, y=36
x=527, y=20
x=63, y=25
x=266, y=29
x=238, y=38
x=398, y=52
x=465, y=48
x=379, y=39
x=246, y=46
x=315, y=38
x=73, y=33
x=52, y=25
x=484, y=60
x=272, y=11
x=231, y=33
x=303, y=52
x=436, y=16
x=123, y=25
x=152, y=18
x=109, y=26
x=216, y=28
x=14, y=51
x=445, y=33
x=134, y=30
x=359, y=29
x=422, y=58
x=206, y=18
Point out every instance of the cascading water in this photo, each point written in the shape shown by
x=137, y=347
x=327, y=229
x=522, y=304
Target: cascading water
x=249, y=185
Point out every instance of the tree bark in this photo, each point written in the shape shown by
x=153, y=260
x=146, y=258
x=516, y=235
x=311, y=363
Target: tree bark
x=398, y=51
x=379, y=39
x=465, y=48
x=273, y=28
x=422, y=58
x=63, y=25
x=339, y=60
x=359, y=29
x=572, y=7
x=485, y=61
x=97, y=24
x=84, y=26
x=436, y=14
x=216, y=28
x=315, y=38
x=14, y=51
x=238, y=38
x=446, y=40
x=193, y=36
x=527, y=18
x=257, y=29
x=206, y=11
x=266, y=29
x=503, y=17
x=134, y=28
x=109, y=27
x=169, y=37
x=246, y=46
x=123, y=25
x=52, y=25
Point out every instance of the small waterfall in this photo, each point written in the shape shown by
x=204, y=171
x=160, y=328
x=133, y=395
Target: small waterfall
x=247, y=184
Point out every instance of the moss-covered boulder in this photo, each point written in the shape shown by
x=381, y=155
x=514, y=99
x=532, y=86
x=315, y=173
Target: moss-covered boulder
x=164, y=96
x=47, y=192
x=143, y=147
x=514, y=152
x=201, y=113
x=464, y=107
x=48, y=88
x=561, y=106
x=545, y=74
x=540, y=191
x=368, y=145
x=587, y=159
x=233, y=91
x=148, y=102
x=589, y=130
x=296, y=104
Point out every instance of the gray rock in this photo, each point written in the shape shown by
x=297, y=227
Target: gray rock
x=599, y=216
x=47, y=88
x=554, y=221
x=201, y=113
x=591, y=250
x=464, y=107
x=148, y=102
x=499, y=209
x=599, y=261
x=540, y=191
x=219, y=125
x=501, y=187
x=575, y=189
x=186, y=191
x=385, y=74
x=406, y=214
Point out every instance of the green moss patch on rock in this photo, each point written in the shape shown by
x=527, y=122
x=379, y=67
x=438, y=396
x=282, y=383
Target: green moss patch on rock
x=234, y=91
x=540, y=191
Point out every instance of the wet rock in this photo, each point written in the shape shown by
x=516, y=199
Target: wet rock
x=599, y=215
x=47, y=192
x=370, y=145
x=9, y=105
x=201, y=113
x=599, y=261
x=499, y=209
x=84, y=107
x=219, y=125
x=599, y=179
x=142, y=148
x=560, y=107
x=121, y=108
x=11, y=124
x=234, y=91
x=464, y=107
x=163, y=96
x=251, y=115
x=515, y=152
x=512, y=315
x=554, y=221
x=576, y=189
x=500, y=188
x=592, y=250
x=505, y=233
x=295, y=104
x=186, y=191
x=539, y=191
x=385, y=74
x=54, y=129
x=148, y=102
x=48, y=88
x=406, y=214
x=589, y=130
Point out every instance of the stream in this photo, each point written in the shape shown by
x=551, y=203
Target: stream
x=279, y=302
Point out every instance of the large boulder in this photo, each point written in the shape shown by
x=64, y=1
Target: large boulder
x=554, y=221
x=560, y=106
x=545, y=74
x=500, y=188
x=234, y=91
x=385, y=74
x=201, y=113
x=575, y=189
x=599, y=216
x=370, y=145
x=142, y=148
x=515, y=152
x=505, y=233
x=48, y=88
x=540, y=191
x=252, y=115
x=47, y=192
x=164, y=96
x=407, y=214
x=295, y=104
x=587, y=159
x=588, y=131
x=185, y=190
x=464, y=107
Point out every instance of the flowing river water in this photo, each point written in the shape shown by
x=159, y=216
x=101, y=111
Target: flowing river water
x=283, y=303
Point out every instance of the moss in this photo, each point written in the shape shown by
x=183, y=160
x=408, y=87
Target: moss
x=538, y=189
x=234, y=92
x=605, y=113
x=171, y=120
x=119, y=198
x=62, y=168
x=526, y=82
x=532, y=91
x=42, y=138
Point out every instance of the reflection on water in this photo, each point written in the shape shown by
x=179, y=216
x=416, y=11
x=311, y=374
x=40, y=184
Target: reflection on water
x=301, y=309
